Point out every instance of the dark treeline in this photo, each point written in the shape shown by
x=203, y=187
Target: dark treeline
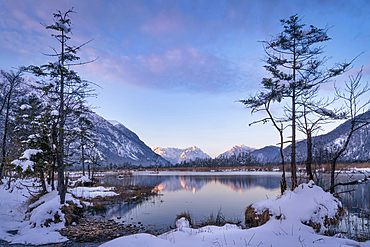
x=243, y=159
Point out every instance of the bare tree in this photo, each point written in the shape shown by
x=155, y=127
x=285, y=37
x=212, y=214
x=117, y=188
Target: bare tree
x=351, y=96
x=313, y=114
x=11, y=82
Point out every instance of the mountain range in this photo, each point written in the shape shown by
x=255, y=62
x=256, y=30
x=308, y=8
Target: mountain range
x=117, y=144
x=265, y=154
x=177, y=155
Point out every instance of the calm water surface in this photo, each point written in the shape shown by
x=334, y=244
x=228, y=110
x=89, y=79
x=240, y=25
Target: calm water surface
x=203, y=193
x=200, y=193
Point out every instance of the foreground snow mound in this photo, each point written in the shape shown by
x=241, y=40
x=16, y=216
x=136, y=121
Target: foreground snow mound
x=307, y=203
x=36, y=223
x=274, y=235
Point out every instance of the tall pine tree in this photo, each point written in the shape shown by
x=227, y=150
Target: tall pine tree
x=63, y=85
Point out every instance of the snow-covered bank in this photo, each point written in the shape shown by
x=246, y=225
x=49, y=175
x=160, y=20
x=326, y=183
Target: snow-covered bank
x=285, y=227
x=36, y=223
x=23, y=223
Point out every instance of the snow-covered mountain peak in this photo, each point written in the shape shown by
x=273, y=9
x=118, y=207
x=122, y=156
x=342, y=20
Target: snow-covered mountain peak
x=236, y=150
x=177, y=155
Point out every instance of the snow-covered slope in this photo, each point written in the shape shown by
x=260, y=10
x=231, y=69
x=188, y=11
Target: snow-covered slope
x=236, y=150
x=117, y=144
x=324, y=146
x=266, y=154
x=177, y=155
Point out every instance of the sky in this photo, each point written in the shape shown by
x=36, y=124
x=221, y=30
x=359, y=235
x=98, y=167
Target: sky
x=173, y=71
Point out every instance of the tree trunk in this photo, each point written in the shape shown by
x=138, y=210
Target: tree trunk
x=293, y=162
x=83, y=159
x=43, y=184
x=52, y=176
x=3, y=146
x=60, y=150
x=336, y=157
x=309, y=156
x=283, y=185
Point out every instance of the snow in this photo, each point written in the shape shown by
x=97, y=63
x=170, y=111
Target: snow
x=298, y=206
x=92, y=192
x=24, y=162
x=25, y=106
x=82, y=179
x=326, y=112
x=62, y=27
x=31, y=226
x=307, y=202
x=54, y=113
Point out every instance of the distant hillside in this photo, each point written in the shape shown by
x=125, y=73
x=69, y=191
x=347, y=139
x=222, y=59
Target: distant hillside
x=177, y=155
x=117, y=145
x=327, y=144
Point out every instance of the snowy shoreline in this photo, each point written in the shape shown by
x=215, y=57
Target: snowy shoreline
x=285, y=227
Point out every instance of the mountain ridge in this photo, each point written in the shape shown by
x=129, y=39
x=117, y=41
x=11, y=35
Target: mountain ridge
x=329, y=143
x=119, y=145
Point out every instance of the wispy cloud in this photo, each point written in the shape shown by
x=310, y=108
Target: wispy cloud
x=176, y=69
x=163, y=23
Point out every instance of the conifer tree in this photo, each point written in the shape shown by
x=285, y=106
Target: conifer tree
x=294, y=62
x=63, y=85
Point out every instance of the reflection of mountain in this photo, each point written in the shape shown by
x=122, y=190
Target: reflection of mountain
x=238, y=183
x=181, y=183
x=194, y=183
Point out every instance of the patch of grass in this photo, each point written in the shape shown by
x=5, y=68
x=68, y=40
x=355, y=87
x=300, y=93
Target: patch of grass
x=212, y=220
x=218, y=220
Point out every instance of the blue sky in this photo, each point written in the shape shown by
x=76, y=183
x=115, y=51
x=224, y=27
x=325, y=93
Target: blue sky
x=172, y=71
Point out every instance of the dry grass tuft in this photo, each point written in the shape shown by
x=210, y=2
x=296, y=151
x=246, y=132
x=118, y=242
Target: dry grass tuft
x=252, y=219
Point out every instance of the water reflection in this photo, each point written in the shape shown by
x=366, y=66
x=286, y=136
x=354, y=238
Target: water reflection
x=238, y=183
x=204, y=193
x=198, y=193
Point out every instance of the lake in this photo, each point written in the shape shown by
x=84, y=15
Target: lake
x=199, y=193
x=203, y=193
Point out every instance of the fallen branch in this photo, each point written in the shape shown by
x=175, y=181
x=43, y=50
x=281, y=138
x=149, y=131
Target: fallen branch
x=353, y=182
